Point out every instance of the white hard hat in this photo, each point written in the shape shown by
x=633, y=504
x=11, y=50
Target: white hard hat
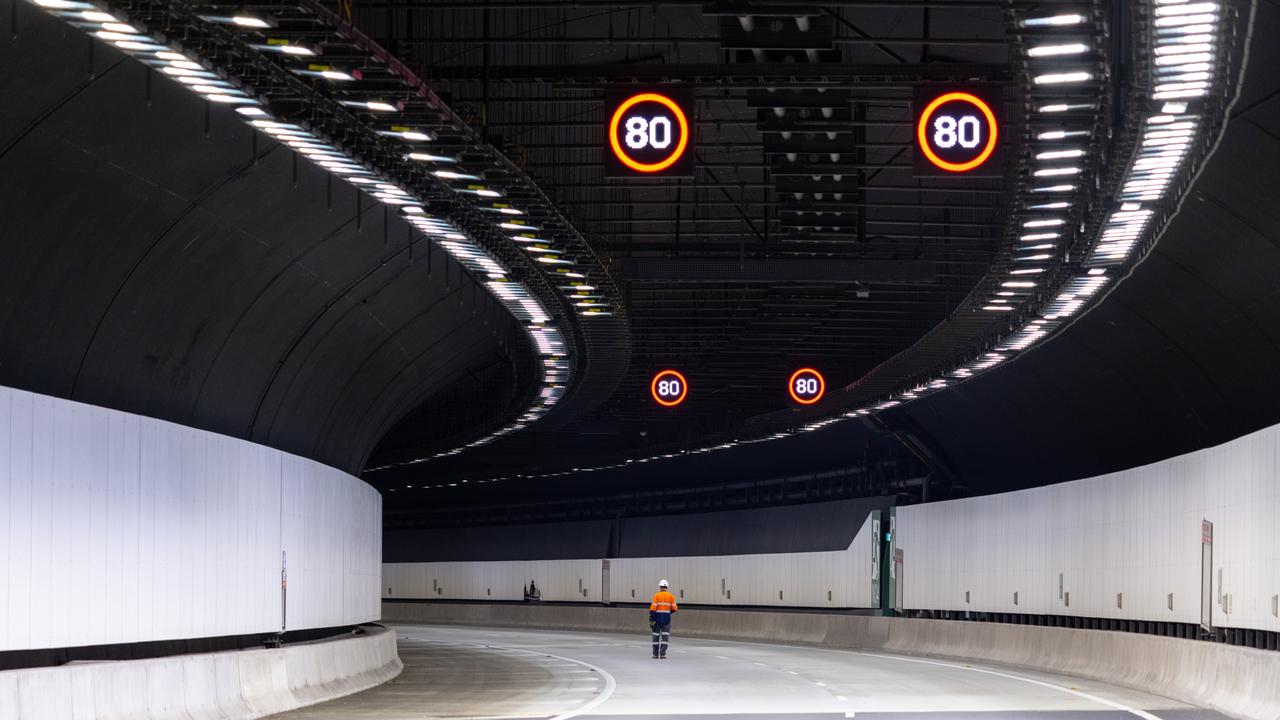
x=663, y=583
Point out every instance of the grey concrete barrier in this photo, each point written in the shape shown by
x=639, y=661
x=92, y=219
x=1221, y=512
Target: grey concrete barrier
x=1241, y=682
x=235, y=685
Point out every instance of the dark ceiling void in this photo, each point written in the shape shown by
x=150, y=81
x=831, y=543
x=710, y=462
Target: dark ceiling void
x=161, y=258
x=803, y=237
x=1181, y=356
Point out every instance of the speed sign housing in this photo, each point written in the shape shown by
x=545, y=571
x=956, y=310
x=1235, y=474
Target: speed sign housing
x=957, y=131
x=649, y=133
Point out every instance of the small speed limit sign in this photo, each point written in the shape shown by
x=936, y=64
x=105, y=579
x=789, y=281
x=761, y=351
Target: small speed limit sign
x=649, y=133
x=669, y=388
x=806, y=386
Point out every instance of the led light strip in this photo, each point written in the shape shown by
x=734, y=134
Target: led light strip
x=194, y=72
x=1187, y=50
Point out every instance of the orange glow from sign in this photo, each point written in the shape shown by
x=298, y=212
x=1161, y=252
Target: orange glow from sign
x=922, y=135
x=791, y=385
x=661, y=165
x=674, y=375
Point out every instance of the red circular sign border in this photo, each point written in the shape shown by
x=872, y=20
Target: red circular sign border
x=653, y=388
x=822, y=386
x=923, y=141
x=622, y=156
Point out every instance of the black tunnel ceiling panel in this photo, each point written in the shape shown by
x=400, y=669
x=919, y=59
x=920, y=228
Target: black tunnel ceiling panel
x=803, y=237
x=159, y=259
x=1181, y=356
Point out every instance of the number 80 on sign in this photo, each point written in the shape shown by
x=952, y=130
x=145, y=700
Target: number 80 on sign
x=669, y=388
x=806, y=386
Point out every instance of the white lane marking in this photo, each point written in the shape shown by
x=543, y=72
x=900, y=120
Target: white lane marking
x=610, y=683
x=1078, y=693
x=1070, y=691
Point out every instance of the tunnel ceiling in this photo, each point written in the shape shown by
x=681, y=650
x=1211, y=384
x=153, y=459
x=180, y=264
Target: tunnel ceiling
x=1176, y=358
x=159, y=258
x=189, y=269
x=803, y=120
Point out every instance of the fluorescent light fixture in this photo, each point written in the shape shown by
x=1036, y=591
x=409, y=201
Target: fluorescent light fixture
x=1051, y=50
x=408, y=133
x=232, y=99
x=1060, y=134
x=1004, y=308
x=1062, y=78
x=451, y=175
x=1166, y=9
x=1174, y=108
x=252, y=112
x=1050, y=206
x=1182, y=20
x=428, y=157
x=250, y=21
x=1049, y=222
x=286, y=47
x=374, y=105
x=1053, y=188
x=477, y=190
x=1056, y=172
x=1054, y=20
x=1018, y=284
x=326, y=72
x=137, y=45
x=98, y=16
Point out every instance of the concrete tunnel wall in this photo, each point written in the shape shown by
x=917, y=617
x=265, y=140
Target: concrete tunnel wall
x=1121, y=546
x=830, y=578
x=123, y=529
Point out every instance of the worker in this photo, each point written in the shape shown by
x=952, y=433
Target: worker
x=660, y=611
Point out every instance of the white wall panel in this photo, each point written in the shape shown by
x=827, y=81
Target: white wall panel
x=805, y=579
x=1134, y=533
x=120, y=528
x=557, y=580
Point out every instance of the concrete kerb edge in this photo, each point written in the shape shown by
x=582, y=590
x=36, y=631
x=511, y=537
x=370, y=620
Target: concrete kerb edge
x=236, y=685
x=1236, y=681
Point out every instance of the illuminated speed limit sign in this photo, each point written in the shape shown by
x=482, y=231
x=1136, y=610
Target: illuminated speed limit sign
x=806, y=386
x=957, y=132
x=649, y=133
x=669, y=388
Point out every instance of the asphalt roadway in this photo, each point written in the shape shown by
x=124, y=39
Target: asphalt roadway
x=460, y=672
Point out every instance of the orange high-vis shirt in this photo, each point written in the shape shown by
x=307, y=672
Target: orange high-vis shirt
x=664, y=601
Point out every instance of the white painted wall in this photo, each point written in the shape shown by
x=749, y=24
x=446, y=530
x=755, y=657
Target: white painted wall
x=803, y=578
x=1135, y=532
x=557, y=580
x=118, y=528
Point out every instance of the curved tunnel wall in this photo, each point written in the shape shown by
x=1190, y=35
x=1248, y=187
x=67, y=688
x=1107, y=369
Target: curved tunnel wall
x=1126, y=546
x=123, y=529
x=162, y=258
